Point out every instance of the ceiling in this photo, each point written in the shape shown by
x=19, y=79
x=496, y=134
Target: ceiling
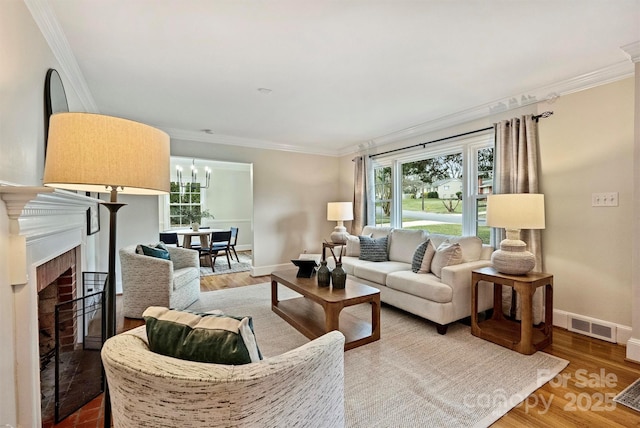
x=340, y=73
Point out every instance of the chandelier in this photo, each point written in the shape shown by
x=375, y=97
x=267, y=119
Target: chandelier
x=194, y=177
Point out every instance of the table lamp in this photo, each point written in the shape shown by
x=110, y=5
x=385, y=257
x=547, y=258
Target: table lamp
x=514, y=212
x=97, y=153
x=339, y=211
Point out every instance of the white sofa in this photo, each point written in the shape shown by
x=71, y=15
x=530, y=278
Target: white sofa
x=150, y=281
x=441, y=300
x=300, y=388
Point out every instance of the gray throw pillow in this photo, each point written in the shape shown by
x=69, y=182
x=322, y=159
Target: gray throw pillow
x=373, y=250
x=418, y=256
x=205, y=338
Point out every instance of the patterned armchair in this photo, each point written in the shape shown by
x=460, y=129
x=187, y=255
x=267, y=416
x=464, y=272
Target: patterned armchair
x=149, y=281
x=300, y=388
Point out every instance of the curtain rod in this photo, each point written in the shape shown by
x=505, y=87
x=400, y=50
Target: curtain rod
x=536, y=118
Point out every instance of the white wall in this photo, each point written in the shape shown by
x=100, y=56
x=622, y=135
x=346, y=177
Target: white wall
x=230, y=199
x=587, y=147
x=25, y=60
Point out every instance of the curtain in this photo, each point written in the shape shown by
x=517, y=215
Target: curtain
x=516, y=171
x=363, y=196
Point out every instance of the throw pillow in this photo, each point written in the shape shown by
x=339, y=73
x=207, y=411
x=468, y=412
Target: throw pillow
x=373, y=250
x=205, y=338
x=447, y=254
x=418, y=256
x=160, y=251
x=353, y=245
x=425, y=266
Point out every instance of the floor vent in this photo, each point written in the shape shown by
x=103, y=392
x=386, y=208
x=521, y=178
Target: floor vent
x=594, y=328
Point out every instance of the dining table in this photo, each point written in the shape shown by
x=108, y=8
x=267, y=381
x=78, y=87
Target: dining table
x=202, y=234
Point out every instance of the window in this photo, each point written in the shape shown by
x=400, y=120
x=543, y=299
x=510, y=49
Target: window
x=442, y=189
x=181, y=201
x=383, y=194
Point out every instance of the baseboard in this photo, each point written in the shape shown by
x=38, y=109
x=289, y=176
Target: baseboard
x=633, y=350
x=266, y=270
x=563, y=319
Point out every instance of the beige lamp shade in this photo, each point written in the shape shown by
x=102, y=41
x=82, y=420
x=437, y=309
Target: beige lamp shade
x=516, y=211
x=93, y=152
x=339, y=211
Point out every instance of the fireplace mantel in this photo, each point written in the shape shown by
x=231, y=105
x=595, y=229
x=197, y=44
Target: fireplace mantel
x=35, y=212
x=43, y=224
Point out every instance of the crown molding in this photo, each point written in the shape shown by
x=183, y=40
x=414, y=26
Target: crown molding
x=548, y=93
x=45, y=18
x=632, y=50
x=230, y=140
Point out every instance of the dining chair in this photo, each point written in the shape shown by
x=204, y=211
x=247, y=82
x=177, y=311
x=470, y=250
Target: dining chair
x=170, y=238
x=234, y=241
x=220, y=241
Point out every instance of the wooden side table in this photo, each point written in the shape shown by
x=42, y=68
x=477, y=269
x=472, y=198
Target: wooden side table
x=520, y=336
x=326, y=245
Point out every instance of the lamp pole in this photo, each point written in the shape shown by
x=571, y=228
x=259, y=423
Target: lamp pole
x=110, y=293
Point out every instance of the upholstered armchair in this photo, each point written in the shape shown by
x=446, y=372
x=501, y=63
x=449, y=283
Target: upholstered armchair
x=300, y=388
x=150, y=281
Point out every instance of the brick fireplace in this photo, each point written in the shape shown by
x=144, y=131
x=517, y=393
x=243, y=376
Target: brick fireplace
x=48, y=239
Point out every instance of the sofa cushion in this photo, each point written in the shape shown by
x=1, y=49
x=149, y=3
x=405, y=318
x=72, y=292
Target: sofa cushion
x=424, y=286
x=184, y=276
x=403, y=243
x=349, y=264
x=373, y=250
x=447, y=254
x=471, y=245
x=425, y=266
x=206, y=338
x=377, y=272
x=418, y=256
x=376, y=231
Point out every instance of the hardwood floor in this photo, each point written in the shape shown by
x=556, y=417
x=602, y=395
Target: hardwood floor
x=580, y=396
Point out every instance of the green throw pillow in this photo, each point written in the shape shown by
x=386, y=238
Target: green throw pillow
x=205, y=338
x=158, y=251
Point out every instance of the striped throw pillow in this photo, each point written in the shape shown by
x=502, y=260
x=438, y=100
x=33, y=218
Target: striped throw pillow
x=418, y=256
x=373, y=250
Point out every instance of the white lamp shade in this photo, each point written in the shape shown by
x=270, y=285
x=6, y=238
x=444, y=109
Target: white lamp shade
x=88, y=152
x=516, y=211
x=339, y=211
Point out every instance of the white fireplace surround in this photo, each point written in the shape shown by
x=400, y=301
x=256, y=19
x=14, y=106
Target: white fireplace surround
x=43, y=224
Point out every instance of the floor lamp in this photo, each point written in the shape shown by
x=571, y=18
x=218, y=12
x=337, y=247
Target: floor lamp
x=97, y=153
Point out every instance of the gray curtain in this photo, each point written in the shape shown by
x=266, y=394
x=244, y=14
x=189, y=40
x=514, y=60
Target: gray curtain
x=363, y=196
x=516, y=171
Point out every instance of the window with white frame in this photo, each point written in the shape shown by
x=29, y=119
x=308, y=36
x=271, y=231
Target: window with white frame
x=182, y=200
x=442, y=189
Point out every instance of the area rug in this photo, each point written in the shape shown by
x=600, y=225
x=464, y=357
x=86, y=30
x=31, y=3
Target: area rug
x=412, y=376
x=222, y=267
x=630, y=397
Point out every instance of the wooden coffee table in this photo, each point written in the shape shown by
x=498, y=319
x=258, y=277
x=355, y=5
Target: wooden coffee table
x=318, y=311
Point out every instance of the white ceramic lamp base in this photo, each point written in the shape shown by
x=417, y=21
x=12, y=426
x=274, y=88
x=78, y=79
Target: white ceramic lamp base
x=513, y=258
x=339, y=235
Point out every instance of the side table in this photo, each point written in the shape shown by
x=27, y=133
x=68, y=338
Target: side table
x=520, y=336
x=326, y=245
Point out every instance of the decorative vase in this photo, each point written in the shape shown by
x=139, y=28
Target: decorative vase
x=195, y=226
x=338, y=277
x=324, y=275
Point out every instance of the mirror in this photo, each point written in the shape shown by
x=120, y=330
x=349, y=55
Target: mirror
x=55, y=100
